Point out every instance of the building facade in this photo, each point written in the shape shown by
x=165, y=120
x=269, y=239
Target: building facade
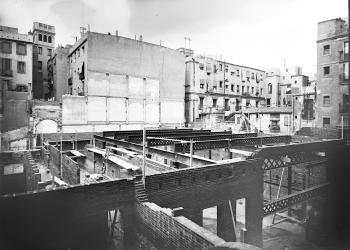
x=58, y=68
x=221, y=88
x=116, y=82
x=16, y=51
x=332, y=73
x=44, y=44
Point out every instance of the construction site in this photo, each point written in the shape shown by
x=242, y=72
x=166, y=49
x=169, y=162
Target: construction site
x=166, y=189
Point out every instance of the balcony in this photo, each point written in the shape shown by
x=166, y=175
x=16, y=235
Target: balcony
x=343, y=78
x=7, y=72
x=81, y=76
x=343, y=57
x=343, y=108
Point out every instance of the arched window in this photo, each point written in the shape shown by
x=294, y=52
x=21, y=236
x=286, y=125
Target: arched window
x=45, y=38
x=49, y=39
x=269, y=88
x=40, y=37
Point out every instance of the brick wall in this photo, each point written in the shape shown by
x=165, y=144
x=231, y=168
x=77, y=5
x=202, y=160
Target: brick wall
x=70, y=171
x=166, y=231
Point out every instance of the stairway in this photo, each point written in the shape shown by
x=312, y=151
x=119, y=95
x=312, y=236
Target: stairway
x=140, y=190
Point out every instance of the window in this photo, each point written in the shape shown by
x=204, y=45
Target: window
x=201, y=101
x=232, y=73
x=49, y=39
x=326, y=122
x=252, y=90
x=201, y=85
x=40, y=65
x=242, y=89
x=82, y=50
x=326, y=70
x=237, y=72
x=220, y=67
x=6, y=47
x=326, y=100
x=215, y=102
x=40, y=50
x=40, y=37
x=21, y=49
x=45, y=38
x=326, y=50
x=269, y=88
x=220, y=84
x=268, y=102
x=201, y=66
x=49, y=52
x=21, y=67
x=237, y=88
x=6, y=66
x=346, y=48
x=232, y=87
x=248, y=89
x=227, y=107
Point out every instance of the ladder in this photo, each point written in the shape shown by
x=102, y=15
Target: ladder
x=105, y=160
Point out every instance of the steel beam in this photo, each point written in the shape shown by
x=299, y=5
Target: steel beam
x=295, y=198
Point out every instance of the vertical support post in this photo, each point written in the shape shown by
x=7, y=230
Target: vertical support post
x=342, y=127
x=191, y=153
x=225, y=227
x=144, y=155
x=61, y=148
x=289, y=176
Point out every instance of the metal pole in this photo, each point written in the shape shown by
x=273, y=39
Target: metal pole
x=348, y=130
x=61, y=148
x=278, y=193
x=342, y=127
x=144, y=155
x=233, y=219
x=191, y=152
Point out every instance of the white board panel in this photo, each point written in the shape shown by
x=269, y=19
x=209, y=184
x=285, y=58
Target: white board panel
x=152, y=89
x=152, y=112
x=118, y=86
x=97, y=108
x=74, y=110
x=97, y=84
x=116, y=109
x=135, y=110
x=136, y=87
x=172, y=112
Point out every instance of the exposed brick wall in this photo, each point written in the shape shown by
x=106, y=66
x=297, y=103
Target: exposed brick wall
x=70, y=171
x=173, y=232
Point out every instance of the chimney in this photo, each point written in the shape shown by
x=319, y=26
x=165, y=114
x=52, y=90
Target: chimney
x=141, y=38
x=116, y=33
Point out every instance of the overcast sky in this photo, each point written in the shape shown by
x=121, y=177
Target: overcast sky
x=255, y=33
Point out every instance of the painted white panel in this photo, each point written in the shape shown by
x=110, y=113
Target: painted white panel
x=152, y=112
x=97, y=108
x=74, y=110
x=46, y=126
x=135, y=110
x=98, y=84
x=152, y=90
x=136, y=87
x=118, y=86
x=172, y=112
x=116, y=109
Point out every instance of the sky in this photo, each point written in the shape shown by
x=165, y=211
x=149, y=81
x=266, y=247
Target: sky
x=261, y=34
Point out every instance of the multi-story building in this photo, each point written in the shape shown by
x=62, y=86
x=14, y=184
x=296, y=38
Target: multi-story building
x=16, y=51
x=58, y=68
x=116, y=82
x=332, y=73
x=222, y=88
x=44, y=44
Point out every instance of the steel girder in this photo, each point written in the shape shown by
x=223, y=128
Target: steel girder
x=295, y=198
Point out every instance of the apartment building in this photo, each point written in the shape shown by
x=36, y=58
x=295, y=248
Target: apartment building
x=58, y=68
x=117, y=83
x=16, y=52
x=332, y=73
x=218, y=87
x=44, y=44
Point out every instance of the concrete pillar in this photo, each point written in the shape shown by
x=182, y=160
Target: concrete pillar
x=195, y=215
x=225, y=229
x=253, y=220
x=128, y=220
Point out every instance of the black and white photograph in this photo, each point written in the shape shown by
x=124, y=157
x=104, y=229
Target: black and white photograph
x=174, y=124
